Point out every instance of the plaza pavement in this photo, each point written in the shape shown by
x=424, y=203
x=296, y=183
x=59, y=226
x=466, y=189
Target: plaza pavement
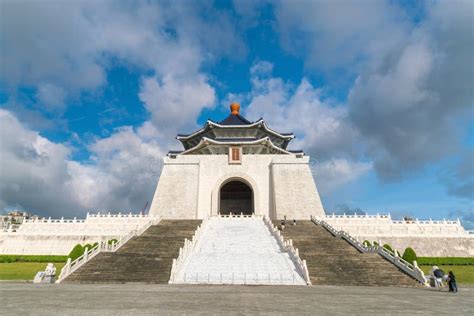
x=144, y=299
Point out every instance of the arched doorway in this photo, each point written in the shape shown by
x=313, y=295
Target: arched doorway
x=236, y=197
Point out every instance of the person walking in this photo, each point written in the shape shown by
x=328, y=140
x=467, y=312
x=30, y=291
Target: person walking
x=452, y=282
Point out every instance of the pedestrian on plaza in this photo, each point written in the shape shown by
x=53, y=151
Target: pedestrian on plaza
x=452, y=282
x=437, y=274
x=294, y=222
x=282, y=226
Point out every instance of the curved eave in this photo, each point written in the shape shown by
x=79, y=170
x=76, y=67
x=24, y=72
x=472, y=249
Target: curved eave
x=208, y=141
x=260, y=122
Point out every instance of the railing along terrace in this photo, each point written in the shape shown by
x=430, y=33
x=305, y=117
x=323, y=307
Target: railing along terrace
x=392, y=256
x=239, y=215
x=388, y=216
x=232, y=278
x=89, y=215
x=72, y=266
x=185, y=251
x=287, y=245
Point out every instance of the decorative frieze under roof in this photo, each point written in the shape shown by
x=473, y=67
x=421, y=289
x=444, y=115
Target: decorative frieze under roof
x=214, y=138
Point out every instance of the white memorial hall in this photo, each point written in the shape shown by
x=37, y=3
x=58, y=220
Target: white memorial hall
x=236, y=206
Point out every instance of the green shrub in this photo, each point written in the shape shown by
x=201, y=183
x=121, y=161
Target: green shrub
x=110, y=241
x=446, y=261
x=409, y=255
x=367, y=243
x=375, y=243
x=387, y=246
x=76, y=252
x=88, y=246
x=31, y=258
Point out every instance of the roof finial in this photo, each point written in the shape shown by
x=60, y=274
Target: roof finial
x=234, y=108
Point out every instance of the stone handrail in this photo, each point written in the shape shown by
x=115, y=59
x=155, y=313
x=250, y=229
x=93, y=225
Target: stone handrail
x=411, y=269
x=72, y=266
x=287, y=245
x=186, y=250
x=237, y=215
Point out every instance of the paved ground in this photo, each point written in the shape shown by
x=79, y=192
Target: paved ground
x=139, y=299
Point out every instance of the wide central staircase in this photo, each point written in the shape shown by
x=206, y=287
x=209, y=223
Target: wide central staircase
x=146, y=258
x=238, y=251
x=333, y=261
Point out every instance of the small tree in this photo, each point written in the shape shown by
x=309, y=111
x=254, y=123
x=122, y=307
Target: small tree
x=76, y=252
x=367, y=243
x=387, y=246
x=409, y=255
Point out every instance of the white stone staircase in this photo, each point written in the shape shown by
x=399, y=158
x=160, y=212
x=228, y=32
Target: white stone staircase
x=238, y=250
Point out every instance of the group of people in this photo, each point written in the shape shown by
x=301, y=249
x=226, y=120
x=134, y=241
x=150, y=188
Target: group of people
x=439, y=276
x=283, y=223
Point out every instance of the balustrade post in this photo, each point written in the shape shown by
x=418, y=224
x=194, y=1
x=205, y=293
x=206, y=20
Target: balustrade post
x=68, y=265
x=86, y=255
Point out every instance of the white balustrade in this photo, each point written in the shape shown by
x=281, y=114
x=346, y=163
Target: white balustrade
x=411, y=269
x=186, y=250
x=287, y=245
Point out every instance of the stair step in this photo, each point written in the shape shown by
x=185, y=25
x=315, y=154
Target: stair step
x=143, y=259
x=333, y=261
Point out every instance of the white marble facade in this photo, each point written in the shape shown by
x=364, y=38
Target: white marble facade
x=282, y=185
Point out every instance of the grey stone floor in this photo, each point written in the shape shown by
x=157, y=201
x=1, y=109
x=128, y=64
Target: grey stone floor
x=142, y=299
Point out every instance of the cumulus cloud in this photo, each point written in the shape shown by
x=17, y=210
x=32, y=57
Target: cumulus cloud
x=62, y=49
x=321, y=126
x=409, y=106
x=38, y=175
x=339, y=34
x=413, y=94
x=333, y=173
x=176, y=103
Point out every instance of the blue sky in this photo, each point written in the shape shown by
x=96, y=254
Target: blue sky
x=379, y=93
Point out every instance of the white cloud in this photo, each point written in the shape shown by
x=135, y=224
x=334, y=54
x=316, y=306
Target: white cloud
x=340, y=34
x=331, y=174
x=411, y=106
x=38, y=175
x=175, y=103
x=51, y=96
x=63, y=49
x=322, y=127
x=413, y=94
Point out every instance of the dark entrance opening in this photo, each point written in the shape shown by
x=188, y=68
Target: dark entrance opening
x=236, y=197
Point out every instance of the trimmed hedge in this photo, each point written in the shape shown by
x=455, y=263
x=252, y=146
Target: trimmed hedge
x=409, y=255
x=110, y=241
x=76, y=252
x=28, y=258
x=446, y=261
x=388, y=247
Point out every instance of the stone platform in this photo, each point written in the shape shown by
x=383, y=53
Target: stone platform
x=141, y=299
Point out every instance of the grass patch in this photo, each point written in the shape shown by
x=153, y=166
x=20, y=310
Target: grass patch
x=21, y=271
x=28, y=258
x=464, y=274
